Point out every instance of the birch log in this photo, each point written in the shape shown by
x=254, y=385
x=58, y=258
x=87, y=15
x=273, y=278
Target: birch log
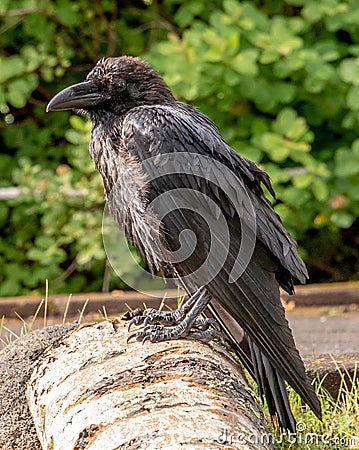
x=95, y=391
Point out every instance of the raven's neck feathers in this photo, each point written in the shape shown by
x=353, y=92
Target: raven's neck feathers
x=125, y=184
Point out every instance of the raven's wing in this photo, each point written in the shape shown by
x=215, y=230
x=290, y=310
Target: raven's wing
x=253, y=299
x=158, y=130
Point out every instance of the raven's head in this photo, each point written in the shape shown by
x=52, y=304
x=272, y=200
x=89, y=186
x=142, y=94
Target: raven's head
x=114, y=85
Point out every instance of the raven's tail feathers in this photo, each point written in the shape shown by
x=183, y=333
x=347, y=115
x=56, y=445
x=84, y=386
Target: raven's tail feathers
x=271, y=385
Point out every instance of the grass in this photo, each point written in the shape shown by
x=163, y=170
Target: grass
x=27, y=327
x=340, y=426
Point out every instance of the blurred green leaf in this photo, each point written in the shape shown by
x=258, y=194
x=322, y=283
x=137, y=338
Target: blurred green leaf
x=187, y=12
x=245, y=62
x=320, y=190
x=342, y=219
x=347, y=161
x=11, y=67
x=349, y=70
x=353, y=98
x=280, y=81
x=67, y=13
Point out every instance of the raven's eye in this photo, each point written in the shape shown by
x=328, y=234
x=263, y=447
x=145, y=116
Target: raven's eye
x=120, y=84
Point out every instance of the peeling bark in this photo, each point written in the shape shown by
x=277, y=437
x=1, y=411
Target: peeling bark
x=95, y=391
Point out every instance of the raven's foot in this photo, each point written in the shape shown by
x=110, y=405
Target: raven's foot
x=153, y=316
x=167, y=318
x=183, y=323
x=200, y=330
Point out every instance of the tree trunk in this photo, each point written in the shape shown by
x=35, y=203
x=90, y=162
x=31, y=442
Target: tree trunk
x=95, y=391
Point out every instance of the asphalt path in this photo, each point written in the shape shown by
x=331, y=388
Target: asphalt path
x=325, y=330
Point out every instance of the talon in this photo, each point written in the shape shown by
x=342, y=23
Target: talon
x=146, y=338
x=137, y=320
x=130, y=314
x=147, y=320
x=158, y=317
x=133, y=335
x=217, y=327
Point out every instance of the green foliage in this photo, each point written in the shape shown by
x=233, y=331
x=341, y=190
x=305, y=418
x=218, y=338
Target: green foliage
x=57, y=218
x=53, y=230
x=280, y=80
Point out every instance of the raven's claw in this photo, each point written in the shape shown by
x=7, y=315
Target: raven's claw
x=137, y=320
x=151, y=315
x=182, y=323
x=161, y=334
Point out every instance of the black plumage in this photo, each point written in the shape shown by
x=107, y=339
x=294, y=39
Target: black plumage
x=146, y=144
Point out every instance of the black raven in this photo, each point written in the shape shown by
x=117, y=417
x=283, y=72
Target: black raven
x=196, y=210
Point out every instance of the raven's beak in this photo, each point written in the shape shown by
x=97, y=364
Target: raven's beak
x=77, y=96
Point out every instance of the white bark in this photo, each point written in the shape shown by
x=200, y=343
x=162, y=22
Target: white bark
x=95, y=391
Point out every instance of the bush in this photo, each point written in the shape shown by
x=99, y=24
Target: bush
x=280, y=80
x=53, y=230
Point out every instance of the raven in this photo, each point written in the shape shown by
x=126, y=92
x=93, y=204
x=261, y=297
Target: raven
x=197, y=211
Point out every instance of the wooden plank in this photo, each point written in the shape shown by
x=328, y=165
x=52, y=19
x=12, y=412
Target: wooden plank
x=325, y=294
x=117, y=302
